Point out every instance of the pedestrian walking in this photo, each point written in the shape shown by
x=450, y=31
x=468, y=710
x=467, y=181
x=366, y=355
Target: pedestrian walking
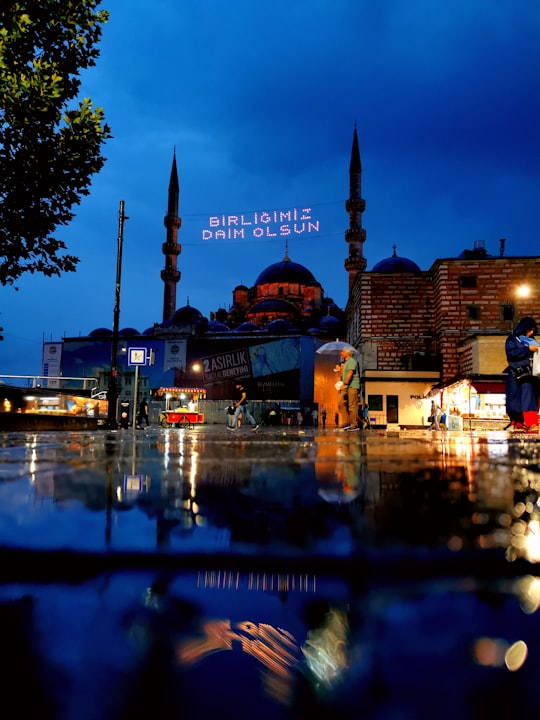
x=241, y=408
x=323, y=417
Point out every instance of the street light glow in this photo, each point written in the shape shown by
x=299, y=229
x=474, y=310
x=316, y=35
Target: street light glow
x=523, y=291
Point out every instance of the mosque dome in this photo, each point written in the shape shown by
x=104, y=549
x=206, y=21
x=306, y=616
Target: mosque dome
x=101, y=332
x=215, y=326
x=148, y=331
x=186, y=315
x=272, y=305
x=247, y=327
x=329, y=322
x=396, y=264
x=127, y=332
x=286, y=271
x=281, y=327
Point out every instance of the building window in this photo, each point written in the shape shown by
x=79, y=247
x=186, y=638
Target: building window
x=507, y=312
x=467, y=281
x=473, y=312
x=375, y=403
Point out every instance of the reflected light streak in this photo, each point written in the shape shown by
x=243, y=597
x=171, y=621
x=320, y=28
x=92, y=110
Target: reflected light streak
x=516, y=656
x=325, y=649
x=528, y=591
x=529, y=541
x=275, y=648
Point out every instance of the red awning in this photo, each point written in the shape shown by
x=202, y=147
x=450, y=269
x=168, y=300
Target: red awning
x=483, y=386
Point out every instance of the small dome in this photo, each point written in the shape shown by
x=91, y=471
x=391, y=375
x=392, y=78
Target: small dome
x=272, y=305
x=215, y=326
x=281, y=327
x=329, y=321
x=128, y=332
x=396, y=264
x=149, y=331
x=101, y=332
x=286, y=271
x=186, y=315
x=247, y=327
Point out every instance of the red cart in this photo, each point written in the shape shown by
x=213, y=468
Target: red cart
x=184, y=416
x=180, y=418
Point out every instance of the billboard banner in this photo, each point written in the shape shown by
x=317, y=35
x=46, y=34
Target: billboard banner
x=231, y=365
x=51, y=364
x=174, y=354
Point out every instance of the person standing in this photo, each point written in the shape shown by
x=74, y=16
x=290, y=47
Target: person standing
x=348, y=396
x=323, y=417
x=521, y=386
x=143, y=412
x=241, y=408
x=435, y=414
x=365, y=417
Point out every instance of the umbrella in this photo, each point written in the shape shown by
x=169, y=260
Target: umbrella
x=335, y=346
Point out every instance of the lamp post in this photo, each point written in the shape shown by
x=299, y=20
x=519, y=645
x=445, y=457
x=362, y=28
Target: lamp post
x=112, y=393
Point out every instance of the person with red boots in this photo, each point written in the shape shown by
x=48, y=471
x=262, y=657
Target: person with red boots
x=522, y=388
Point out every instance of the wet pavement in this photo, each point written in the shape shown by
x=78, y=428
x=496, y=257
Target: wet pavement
x=278, y=573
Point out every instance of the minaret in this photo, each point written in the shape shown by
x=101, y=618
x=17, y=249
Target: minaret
x=171, y=249
x=355, y=235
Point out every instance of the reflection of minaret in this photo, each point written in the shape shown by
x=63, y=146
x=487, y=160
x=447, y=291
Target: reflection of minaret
x=171, y=249
x=355, y=235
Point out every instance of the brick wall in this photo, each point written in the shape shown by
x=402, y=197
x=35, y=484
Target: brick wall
x=434, y=312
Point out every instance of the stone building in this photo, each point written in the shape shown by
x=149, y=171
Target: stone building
x=438, y=332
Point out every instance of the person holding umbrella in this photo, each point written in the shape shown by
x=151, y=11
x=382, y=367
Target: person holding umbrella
x=348, y=396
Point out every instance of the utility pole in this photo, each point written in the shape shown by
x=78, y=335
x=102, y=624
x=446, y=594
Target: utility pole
x=112, y=393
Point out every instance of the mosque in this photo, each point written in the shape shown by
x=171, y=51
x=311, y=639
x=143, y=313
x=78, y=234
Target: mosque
x=418, y=333
x=266, y=339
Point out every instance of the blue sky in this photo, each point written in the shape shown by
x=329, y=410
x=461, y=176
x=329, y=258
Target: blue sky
x=260, y=102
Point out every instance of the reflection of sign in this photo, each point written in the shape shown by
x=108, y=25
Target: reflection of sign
x=133, y=483
x=227, y=366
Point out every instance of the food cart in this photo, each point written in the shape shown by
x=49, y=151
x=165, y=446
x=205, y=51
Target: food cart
x=181, y=407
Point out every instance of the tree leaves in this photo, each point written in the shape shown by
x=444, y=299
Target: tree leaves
x=50, y=142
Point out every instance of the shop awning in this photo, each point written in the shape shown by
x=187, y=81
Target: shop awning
x=485, y=386
x=175, y=391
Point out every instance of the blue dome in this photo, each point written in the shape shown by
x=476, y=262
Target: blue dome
x=186, y=315
x=101, y=332
x=329, y=321
x=247, y=327
x=285, y=271
x=396, y=264
x=215, y=326
x=272, y=305
x=128, y=332
x=281, y=327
